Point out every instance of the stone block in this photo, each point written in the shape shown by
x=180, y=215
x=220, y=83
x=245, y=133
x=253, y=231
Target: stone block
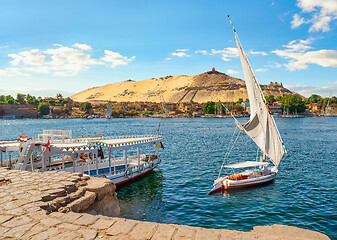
x=71, y=217
x=5, y=218
x=19, y=231
x=86, y=220
x=121, y=226
x=17, y=221
x=82, y=203
x=287, y=232
x=102, y=224
x=49, y=233
x=143, y=230
x=203, y=233
x=164, y=231
x=185, y=232
x=50, y=222
x=65, y=235
x=68, y=226
x=87, y=233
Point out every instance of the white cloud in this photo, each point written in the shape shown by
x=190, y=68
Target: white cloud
x=84, y=47
x=32, y=57
x=299, y=56
x=261, y=70
x=297, y=21
x=60, y=61
x=231, y=71
x=258, y=53
x=309, y=90
x=11, y=72
x=203, y=52
x=116, y=59
x=168, y=59
x=182, y=50
x=180, y=54
x=274, y=65
x=323, y=12
x=226, y=53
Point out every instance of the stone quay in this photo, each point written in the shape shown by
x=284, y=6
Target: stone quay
x=62, y=205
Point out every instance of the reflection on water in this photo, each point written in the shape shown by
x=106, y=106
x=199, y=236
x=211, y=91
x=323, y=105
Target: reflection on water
x=142, y=199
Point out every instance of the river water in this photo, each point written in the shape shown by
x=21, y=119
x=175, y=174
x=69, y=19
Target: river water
x=304, y=193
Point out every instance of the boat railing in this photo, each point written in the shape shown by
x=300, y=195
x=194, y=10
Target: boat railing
x=95, y=139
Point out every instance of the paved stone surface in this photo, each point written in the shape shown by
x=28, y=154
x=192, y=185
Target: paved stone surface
x=31, y=204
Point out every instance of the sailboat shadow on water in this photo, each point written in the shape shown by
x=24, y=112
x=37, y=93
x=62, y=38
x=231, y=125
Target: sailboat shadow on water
x=262, y=129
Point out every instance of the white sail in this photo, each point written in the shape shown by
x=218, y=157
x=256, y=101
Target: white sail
x=108, y=111
x=261, y=127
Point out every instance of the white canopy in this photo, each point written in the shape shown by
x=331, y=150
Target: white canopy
x=247, y=164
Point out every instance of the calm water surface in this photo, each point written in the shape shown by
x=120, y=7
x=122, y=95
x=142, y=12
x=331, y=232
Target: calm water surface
x=303, y=195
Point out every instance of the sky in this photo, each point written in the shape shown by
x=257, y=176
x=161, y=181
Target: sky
x=50, y=47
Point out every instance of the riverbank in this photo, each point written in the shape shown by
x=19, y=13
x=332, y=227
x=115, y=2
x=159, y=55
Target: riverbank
x=31, y=208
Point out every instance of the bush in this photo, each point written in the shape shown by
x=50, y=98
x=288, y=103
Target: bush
x=51, y=102
x=86, y=106
x=44, y=108
x=10, y=101
x=209, y=107
x=66, y=111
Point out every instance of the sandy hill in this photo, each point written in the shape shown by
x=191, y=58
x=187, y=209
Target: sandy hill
x=208, y=86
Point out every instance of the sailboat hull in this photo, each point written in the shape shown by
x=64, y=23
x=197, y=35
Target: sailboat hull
x=225, y=184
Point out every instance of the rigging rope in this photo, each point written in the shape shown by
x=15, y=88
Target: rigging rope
x=229, y=149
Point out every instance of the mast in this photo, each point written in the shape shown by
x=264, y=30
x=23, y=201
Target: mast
x=261, y=127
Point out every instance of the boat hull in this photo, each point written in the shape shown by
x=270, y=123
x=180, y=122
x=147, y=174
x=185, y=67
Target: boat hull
x=226, y=184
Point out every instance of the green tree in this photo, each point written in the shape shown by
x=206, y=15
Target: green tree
x=240, y=100
x=43, y=108
x=51, y=102
x=10, y=101
x=270, y=99
x=209, y=107
x=86, y=106
x=278, y=98
x=2, y=98
x=21, y=98
x=66, y=111
x=238, y=107
x=293, y=104
x=314, y=98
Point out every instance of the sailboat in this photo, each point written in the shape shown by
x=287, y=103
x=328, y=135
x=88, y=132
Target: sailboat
x=262, y=129
x=108, y=111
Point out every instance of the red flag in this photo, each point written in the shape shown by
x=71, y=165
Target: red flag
x=48, y=144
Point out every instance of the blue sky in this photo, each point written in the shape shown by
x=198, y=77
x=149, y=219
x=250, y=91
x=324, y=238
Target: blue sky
x=48, y=47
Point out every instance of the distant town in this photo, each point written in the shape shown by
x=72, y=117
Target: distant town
x=27, y=106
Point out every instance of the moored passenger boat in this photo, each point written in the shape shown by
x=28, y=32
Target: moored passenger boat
x=119, y=158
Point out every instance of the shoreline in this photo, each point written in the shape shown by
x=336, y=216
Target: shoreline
x=29, y=212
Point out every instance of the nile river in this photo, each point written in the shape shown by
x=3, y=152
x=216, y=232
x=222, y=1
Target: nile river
x=304, y=193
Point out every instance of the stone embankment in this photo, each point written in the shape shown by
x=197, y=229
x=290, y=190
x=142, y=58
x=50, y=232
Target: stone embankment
x=50, y=205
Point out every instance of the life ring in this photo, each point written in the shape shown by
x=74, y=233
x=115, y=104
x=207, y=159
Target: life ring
x=128, y=173
x=141, y=168
x=75, y=155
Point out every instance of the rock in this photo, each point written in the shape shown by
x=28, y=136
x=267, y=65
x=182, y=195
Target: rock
x=100, y=186
x=108, y=206
x=83, y=202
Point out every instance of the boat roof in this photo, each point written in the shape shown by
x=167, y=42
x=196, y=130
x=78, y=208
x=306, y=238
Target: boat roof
x=247, y=164
x=90, y=142
x=128, y=140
